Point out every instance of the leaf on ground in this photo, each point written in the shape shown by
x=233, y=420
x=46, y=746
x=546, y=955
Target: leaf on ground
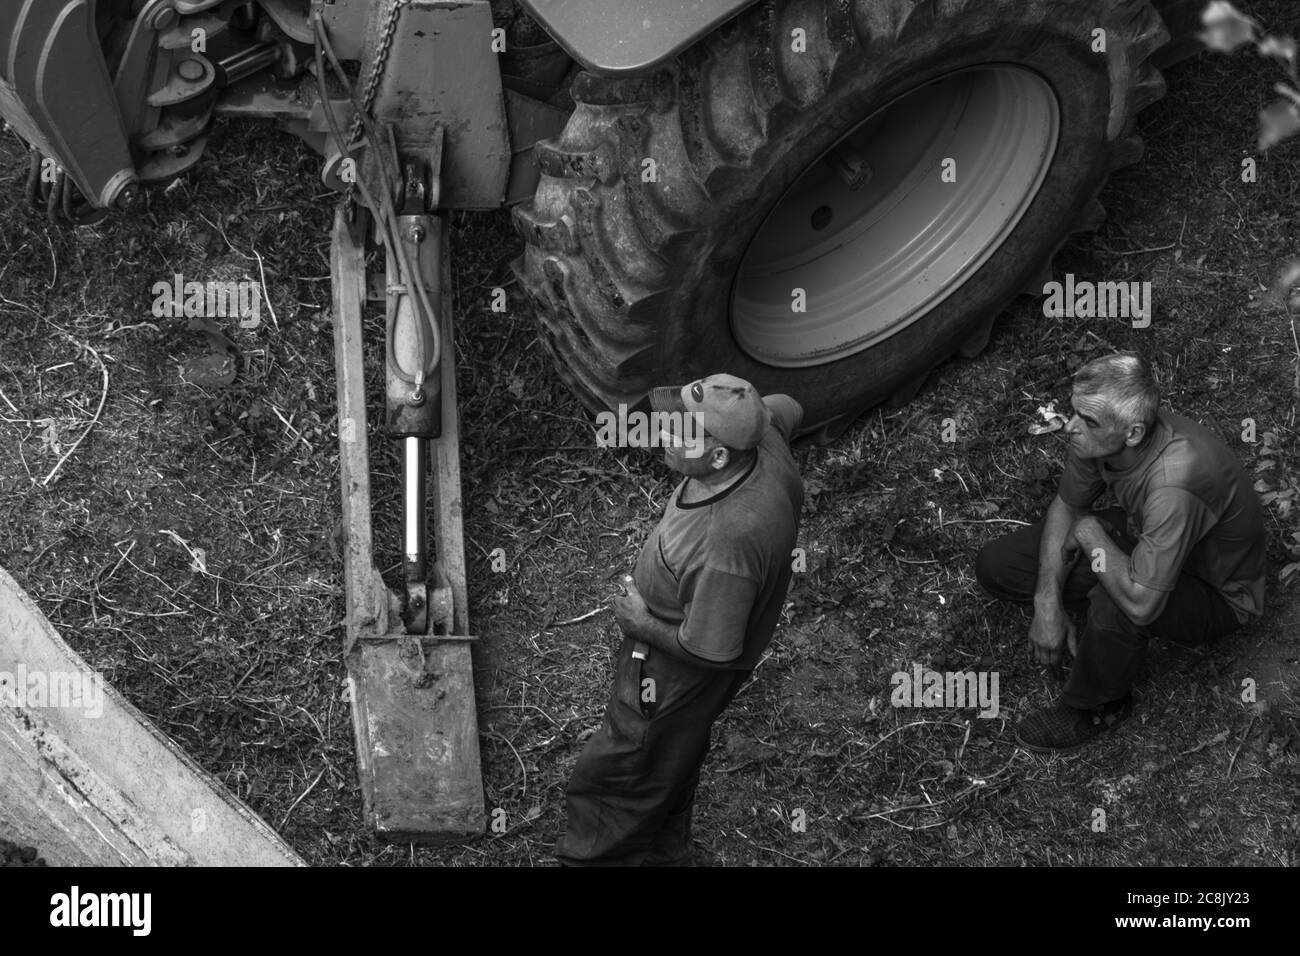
x=1278, y=121
x=210, y=370
x=50, y=436
x=217, y=340
x=1280, y=48
x=1218, y=738
x=198, y=557
x=1226, y=27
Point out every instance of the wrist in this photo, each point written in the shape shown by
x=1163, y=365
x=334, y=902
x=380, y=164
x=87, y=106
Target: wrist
x=1047, y=601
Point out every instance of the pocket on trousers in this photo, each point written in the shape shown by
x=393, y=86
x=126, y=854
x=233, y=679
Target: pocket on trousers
x=631, y=715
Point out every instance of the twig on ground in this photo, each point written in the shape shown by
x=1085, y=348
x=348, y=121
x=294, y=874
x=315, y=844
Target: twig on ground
x=580, y=617
x=1235, y=753
x=1137, y=252
x=292, y=431
x=956, y=761
x=266, y=295
x=103, y=397
x=1296, y=342
x=982, y=783
x=1218, y=738
x=523, y=789
x=983, y=521
x=309, y=789
x=908, y=560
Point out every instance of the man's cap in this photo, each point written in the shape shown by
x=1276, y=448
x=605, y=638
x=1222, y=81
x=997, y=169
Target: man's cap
x=733, y=411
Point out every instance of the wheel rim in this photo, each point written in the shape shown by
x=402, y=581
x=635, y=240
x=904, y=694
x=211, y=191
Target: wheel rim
x=874, y=259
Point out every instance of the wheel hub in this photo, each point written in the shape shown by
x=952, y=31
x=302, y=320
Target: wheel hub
x=876, y=235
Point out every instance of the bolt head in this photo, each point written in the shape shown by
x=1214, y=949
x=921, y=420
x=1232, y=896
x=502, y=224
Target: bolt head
x=190, y=70
x=164, y=18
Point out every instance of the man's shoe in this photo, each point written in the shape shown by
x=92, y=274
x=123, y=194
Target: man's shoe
x=1062, y=728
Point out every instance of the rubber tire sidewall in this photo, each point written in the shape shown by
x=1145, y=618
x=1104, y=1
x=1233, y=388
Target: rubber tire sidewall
x=697, y=337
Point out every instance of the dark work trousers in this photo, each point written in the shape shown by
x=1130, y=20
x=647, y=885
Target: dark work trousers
x=630, y=797
x=1112, y=649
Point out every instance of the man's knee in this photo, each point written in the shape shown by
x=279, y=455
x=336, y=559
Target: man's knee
x=996, y=573
x=985, y=568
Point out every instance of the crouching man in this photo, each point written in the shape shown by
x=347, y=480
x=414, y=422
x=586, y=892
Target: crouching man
x=1182, y=558
x=701, y=606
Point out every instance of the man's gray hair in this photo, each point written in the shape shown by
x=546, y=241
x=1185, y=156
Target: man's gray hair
x=1127, y=384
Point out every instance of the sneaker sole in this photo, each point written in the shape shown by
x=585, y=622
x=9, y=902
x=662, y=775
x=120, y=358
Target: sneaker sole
x=1039, y=749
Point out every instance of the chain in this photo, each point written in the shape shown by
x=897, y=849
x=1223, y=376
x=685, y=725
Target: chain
x=381, y=207
x=377, y=68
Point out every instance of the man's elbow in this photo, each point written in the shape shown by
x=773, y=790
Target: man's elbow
x=1073, y=512
x=1147, y=608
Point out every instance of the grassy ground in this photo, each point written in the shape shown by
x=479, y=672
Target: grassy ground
x=240, y=661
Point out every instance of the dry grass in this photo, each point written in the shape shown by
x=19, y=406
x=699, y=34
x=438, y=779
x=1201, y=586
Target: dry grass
x=240, y=662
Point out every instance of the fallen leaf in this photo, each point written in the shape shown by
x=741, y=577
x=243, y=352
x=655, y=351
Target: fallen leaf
x=50, y=436
x=1226, y=28
x=1278, y=121
x=198, y=557
x=211, y=370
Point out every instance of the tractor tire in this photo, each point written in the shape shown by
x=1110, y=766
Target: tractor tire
x=682, y=215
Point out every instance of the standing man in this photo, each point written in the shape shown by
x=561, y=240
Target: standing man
x=699, y=610
x=1182, y=558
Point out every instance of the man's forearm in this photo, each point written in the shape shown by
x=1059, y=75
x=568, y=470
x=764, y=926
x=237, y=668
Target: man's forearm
x=1057, y=539
x=662, y=636
x=1114, y=572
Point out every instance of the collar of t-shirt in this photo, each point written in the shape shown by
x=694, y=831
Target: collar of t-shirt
x=712, y=499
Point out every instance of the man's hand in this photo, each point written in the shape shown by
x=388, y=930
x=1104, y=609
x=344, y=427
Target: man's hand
x=630, y=608
x=1050, y=629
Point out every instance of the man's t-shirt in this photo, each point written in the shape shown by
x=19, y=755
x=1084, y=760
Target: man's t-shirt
x=1195, y=510
x=720, y=567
